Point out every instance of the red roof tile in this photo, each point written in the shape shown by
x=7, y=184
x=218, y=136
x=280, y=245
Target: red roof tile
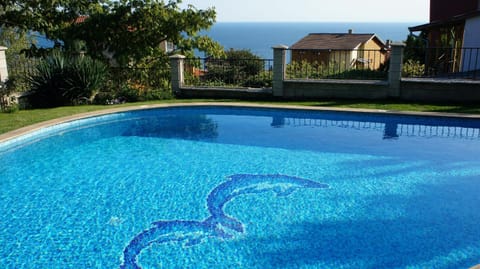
x=80, y=19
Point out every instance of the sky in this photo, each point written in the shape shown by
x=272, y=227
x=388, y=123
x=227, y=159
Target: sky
x=317, y=10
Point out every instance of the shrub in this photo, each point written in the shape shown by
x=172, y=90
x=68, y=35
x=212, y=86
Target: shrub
x=413, y=68
x=8, y=103
x=236, y=68
x=306, y=70
x=136, y=84
x=86, y=77
x=48, y=82
x=262, y=80
x=61, y=80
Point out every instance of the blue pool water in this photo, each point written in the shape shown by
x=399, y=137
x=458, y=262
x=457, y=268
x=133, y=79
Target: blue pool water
x=217, y=187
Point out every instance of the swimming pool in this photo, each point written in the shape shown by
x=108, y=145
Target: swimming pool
x=233, y=187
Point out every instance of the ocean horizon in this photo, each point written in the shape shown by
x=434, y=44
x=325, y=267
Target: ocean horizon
x=260, y=37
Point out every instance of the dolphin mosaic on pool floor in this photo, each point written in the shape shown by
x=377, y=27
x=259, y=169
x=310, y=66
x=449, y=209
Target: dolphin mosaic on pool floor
x=218, y=224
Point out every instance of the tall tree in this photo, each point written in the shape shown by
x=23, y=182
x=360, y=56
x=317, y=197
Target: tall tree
x=134, y=30
x=49, y=17
x=131, y=30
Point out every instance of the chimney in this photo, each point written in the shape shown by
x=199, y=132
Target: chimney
x=350, y=31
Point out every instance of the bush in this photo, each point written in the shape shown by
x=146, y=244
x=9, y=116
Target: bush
x=413, y=68
x=8, y=103
x=136, y=84
x=306, y=70
x=11, y=108
x=262, y=80
x=62, y=80
x=86, y=77
x=235, y=69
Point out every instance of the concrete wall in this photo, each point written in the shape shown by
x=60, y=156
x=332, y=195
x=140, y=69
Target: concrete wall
x=307, y=89
x=440, y=90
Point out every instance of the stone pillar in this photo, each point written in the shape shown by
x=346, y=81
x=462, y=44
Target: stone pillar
x=176, y=65
x=3, y=65
x=279, y=65
x=395, y=70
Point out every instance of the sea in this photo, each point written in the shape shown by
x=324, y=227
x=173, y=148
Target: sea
x=260, y=37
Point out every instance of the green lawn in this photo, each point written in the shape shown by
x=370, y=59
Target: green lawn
x=12, y=121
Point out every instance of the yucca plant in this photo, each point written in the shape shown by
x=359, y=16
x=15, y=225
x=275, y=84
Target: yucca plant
x=85, y=79
x=62, y=80
x=48, y=81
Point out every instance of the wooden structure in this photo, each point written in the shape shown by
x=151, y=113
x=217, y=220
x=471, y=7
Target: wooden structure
x=346, y=49
x=454, y=25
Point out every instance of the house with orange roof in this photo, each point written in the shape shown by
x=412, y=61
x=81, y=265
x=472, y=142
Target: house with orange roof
x=350, y=49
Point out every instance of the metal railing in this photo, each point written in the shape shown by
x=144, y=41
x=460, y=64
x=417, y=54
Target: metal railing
x=338, y=64
x=447, y=63
x=20, y=68
x=232, y=73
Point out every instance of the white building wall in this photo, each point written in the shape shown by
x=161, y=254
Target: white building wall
x=471, y=43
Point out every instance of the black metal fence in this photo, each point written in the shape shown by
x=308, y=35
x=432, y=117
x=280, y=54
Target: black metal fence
x=19, y=69
x=20, y=66
x=338, y=64
x=447, y=63
x=209, y=72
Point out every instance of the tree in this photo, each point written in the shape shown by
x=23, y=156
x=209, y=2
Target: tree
x=127, y=32
x=131, y=30
x=48, y=17
x=415, y=48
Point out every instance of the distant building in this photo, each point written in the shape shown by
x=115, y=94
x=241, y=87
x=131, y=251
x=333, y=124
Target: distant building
x=355, y=50
x=455, y=25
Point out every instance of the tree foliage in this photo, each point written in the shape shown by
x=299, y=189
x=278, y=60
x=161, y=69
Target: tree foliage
x=129, y=34
x=49, y=17
x=415, y=48
x=130, y=30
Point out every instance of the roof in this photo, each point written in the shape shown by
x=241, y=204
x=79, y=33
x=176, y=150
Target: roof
x=80, y=19
x=453, y=20
x=342, y=41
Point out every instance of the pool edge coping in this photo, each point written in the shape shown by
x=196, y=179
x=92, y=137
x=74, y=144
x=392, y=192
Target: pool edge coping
x=38, y=126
